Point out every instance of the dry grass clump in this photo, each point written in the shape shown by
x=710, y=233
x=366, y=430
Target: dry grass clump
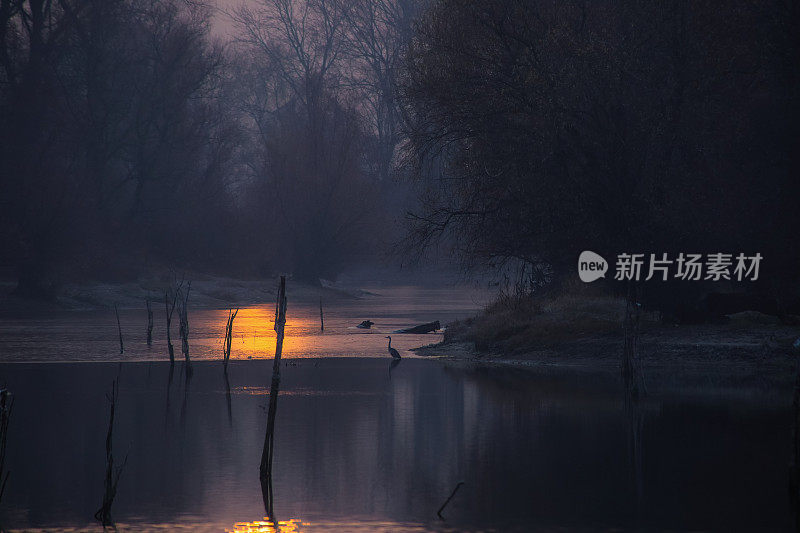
x=533, y=322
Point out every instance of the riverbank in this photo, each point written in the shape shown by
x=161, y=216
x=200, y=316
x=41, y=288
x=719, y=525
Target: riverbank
x=585, y=335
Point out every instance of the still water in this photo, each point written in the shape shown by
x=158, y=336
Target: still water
x=92, y=335
x=365, y=444
x=362, y=445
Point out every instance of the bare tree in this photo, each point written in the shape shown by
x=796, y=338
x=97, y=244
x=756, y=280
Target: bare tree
x=111, y=118
x=308, y=140
x=303, y=42
x=377, y=33
x=33, y=134
x=541, y=129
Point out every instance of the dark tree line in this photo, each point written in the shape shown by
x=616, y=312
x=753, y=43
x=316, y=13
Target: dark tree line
x=555, y=127
x=115, y=142
x=318, y=100
x=132, y=139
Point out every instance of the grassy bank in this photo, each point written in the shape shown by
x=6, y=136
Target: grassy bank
x=581, y=327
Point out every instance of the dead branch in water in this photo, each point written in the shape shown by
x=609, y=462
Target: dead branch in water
x=149, y=323
x=119, y=328
x=280, y=323
x=171, y=309
x=183, y=315
x=6, y=404
x=226, y=347
x=439, y=512
x=112, y=475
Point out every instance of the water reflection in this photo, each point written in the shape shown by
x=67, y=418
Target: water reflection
x=267, y=495
x=187, y=369
x=635, y=422
x=392, y=365
x=228, y=396
x=357, y=450
x=299, y=526
x=268, y=526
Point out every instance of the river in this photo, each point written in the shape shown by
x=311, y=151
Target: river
x=364, y=443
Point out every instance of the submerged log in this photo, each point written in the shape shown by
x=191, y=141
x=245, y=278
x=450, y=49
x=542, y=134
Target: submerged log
x=422, y=328
x=365, y=324
x=269, y=437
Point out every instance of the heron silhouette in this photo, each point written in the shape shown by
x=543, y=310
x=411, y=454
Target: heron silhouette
x=394, y=353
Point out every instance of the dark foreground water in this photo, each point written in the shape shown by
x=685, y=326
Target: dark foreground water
x=365, y=446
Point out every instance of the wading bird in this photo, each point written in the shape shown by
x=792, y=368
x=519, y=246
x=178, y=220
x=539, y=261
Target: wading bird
x=394, y=353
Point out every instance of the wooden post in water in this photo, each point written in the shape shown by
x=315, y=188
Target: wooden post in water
x=119, y=328
x=280, y=323
x=321, y=319
x=170, y=309
x=149, y=323
x=183, y=316
x=226, y=347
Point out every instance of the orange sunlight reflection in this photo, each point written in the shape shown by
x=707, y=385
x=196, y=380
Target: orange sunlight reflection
x=267, y=526
x=254, y=333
